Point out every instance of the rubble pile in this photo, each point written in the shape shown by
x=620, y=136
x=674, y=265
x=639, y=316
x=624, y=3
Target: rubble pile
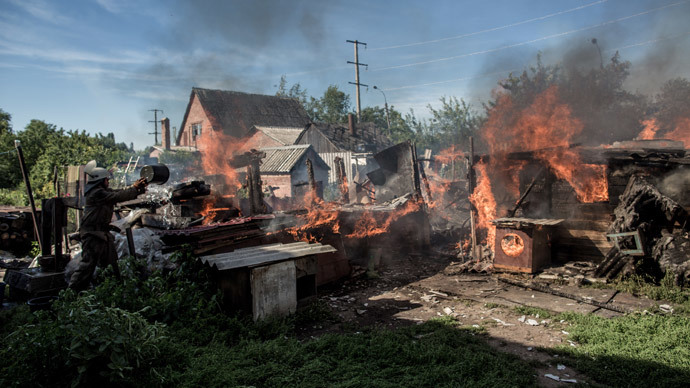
x=662, y=227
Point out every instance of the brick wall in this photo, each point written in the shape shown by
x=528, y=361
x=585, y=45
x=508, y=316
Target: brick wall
x=196, y=115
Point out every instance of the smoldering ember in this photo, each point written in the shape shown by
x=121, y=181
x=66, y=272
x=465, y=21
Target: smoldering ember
x=545, y=241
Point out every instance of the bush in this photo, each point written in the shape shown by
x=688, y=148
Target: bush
x=82, y=342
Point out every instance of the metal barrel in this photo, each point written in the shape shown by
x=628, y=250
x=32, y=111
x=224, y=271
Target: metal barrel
x=155, y=173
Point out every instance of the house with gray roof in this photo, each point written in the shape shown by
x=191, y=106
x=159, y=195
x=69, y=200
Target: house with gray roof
x=284, y=169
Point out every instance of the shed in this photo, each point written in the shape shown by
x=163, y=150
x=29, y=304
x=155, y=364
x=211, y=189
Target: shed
x=284, y=169
x=354, y=137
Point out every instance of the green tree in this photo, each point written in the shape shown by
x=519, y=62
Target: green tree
x=399, y=130
x=332, y=107
x=452, y=124
x=5, y=122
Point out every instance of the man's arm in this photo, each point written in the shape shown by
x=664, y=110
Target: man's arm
x=114, y=196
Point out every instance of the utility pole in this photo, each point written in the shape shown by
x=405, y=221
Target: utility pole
x=155, y=125
x=356, y=83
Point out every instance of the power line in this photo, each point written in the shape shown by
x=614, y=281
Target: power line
x=491, y=29
x=531, y=41
x=451, y=80
x=514, y=70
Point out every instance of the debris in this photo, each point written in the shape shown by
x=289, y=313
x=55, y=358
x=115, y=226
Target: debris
x=560, y=367
x=529, y=348
x=361, y=312
x=552, y=377
x=648, y=213
x=666, y=308
x=532, y=322
x=522, y=319
x=447, y=310
x=542, y=288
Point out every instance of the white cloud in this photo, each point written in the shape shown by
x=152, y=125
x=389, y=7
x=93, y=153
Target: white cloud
x=42, y=10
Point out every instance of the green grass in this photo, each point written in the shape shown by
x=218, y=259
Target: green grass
x=633, y=350
x=435, y=354
x=191, y=343
x=533, y=311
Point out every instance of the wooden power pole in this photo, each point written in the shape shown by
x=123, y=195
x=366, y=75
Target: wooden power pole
x=356, y=83
x=155, y=125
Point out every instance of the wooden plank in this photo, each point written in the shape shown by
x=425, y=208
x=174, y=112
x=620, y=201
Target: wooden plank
x=222, y=265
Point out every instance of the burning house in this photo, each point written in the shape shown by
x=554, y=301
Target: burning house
x=235, y=114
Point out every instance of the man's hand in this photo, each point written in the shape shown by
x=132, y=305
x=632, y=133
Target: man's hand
x=140, y=184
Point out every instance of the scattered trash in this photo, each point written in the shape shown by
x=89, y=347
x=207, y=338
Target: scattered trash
x=560, y=367
x=565, y=332
x=552, y=377
x=532, y=322
x=666, y=308
x=529, y=348
x=502, y=322
x=447, y=310
x=522, y=319
x=360, y=312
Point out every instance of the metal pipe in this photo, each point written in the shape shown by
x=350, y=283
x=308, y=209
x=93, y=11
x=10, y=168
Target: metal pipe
x=25, y=175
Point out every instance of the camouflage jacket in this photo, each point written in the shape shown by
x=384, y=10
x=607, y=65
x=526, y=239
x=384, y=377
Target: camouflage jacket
x=98, y=208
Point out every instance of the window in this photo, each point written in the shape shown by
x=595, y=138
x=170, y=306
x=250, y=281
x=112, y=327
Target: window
x=196, y=130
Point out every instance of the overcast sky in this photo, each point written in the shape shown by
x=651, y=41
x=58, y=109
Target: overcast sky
x=101, y=65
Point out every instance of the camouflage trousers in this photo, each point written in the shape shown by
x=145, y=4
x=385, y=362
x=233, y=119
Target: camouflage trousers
x=98, y=248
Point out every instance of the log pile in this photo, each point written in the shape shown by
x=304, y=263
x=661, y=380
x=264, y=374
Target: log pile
x=662, y=225
x=16, y=229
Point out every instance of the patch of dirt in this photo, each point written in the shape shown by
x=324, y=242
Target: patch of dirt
x=413, y=289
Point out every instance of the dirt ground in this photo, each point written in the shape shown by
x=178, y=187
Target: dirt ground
x=411, y=289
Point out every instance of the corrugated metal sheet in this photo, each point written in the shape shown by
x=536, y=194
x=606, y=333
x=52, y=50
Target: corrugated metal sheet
x=282, y=159
x=329, y=158
x=285, y=135
x=264, y=254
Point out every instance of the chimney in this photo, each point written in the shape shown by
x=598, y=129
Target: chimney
x=351, y=124
x=165, y=133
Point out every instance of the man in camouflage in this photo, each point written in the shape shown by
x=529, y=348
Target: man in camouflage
x=98, y=245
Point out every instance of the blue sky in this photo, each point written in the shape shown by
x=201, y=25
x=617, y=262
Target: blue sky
x=101, y=65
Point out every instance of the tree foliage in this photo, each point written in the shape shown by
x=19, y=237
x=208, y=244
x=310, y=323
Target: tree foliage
x=595, y=96
x=45, y=147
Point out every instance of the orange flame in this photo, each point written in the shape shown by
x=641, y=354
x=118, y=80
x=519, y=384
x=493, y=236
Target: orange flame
x=209, y=212
x=681, y=132
x=548, y=127
x=650, y=129
x=512, y=245
x=483, y=200
x=217, y=149
x=368, y=226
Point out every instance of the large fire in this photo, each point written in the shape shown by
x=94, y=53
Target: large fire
x=216, y=150
x=547, y=127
